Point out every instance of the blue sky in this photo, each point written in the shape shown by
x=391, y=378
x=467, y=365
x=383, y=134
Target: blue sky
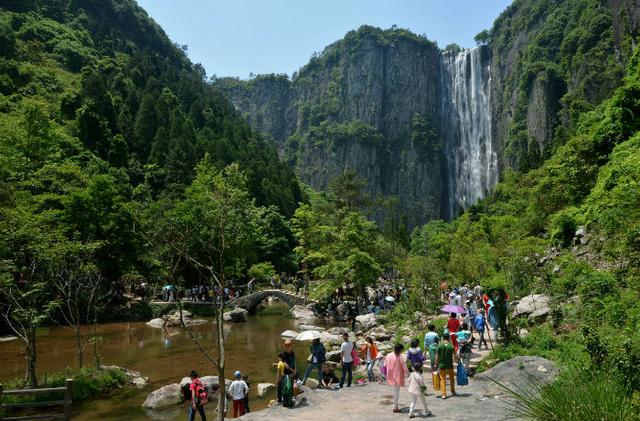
x=237, y=37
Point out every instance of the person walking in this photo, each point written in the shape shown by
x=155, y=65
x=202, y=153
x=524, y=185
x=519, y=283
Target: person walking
x=396, y=372
x=347, y=360
x=370, y=352
x=238, y=390
x=433, y=350
x=318, y=357
x=444, y=361
x=199, y=397
x=465, y=342
x=415, y=354
x=479, y=323
x=430, y=337
x=453, y=325
x=417, y=389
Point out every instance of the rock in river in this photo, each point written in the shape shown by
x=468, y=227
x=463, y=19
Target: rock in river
x=264, y=388
x=237, y=315
x=367, y=321
x=289, y=334
x=164, y=397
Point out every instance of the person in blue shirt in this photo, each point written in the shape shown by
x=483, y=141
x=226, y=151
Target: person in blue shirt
x=430, y=336
x=479, y=324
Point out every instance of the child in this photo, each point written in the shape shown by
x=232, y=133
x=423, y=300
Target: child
x=246, y=397
x=414, y=354
x=416, y=389
x=479, y=323
x=238, y=390
x=280, y=366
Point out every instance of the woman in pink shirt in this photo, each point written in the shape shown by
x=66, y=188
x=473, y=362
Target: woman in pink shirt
x=396, y=372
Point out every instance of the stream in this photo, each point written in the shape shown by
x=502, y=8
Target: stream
x=251, y=347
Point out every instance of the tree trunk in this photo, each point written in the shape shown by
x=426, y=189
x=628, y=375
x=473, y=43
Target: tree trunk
x=221, y=379
x=79, y=346
x=30, y=350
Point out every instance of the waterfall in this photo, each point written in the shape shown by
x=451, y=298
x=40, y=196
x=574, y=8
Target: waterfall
x=466, y=128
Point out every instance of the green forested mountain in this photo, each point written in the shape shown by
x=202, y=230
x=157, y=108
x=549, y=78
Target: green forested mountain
x=103, y=120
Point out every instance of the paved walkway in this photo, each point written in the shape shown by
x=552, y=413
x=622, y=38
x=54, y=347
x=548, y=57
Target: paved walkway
x=374, y=402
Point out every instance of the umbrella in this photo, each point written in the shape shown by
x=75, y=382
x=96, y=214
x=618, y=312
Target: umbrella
x=308, y=335
x=389, y=298
x=167, y=287
x=452, y=308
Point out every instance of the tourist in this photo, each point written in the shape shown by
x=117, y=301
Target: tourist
x=433, y=349
x=416, y=390
x=430, y=336
x=238, y=391
x=329, y=377
x=198, y=397
x=281, y=367
x=347, y=360
x=396, y=372
x=415, y=354
x=465, y=342
x=246, y=396
x=470, y=314
x=479, y=323
x=318, y=357
x=289, y=358
x=370, y=352
x=444, y=361
x=453, y=325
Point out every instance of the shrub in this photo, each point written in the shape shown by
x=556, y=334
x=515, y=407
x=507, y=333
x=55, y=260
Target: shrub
x=577, y=395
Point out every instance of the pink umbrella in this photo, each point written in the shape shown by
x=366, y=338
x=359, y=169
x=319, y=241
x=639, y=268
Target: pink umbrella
x=452, y=308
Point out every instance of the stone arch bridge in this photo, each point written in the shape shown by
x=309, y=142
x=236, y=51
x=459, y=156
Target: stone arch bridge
x=250, y=302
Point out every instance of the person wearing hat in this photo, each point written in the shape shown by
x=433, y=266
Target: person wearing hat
x=238, y=389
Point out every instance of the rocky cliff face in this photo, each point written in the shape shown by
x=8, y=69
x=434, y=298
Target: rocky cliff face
x=435, y=129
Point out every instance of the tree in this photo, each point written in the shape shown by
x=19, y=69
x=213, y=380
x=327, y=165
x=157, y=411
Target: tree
x=79, y=286
x=348, y=190
x=452, y=48
x=483, y=38
x=214, y=228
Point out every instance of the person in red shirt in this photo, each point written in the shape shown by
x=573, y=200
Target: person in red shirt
x=453, y=325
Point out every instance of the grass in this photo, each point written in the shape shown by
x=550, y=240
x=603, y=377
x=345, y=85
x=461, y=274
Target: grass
x=88, y=383
x=577, y=395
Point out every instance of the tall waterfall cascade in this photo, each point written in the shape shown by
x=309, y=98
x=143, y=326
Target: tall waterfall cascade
x=466, y=128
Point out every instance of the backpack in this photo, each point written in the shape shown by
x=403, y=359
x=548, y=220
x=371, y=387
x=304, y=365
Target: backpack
x=287, y=392
x=186, y=392
x=478, y=322
x=202, y=395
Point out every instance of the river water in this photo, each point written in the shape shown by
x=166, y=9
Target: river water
x=251, y=347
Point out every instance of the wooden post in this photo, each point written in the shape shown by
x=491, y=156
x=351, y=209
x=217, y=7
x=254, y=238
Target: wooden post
x=68, y=385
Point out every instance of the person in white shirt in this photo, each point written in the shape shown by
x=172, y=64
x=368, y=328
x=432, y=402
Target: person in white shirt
x=416, y=390
x=238, y=390
x=347, y=360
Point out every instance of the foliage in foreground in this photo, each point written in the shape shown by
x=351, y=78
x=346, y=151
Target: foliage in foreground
x=577, y=395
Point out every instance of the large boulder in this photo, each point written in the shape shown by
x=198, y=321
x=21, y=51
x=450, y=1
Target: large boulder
x=337, y=330
x=366, y=321
x=264, y=388
x=535, y=307
x=303, y=328
x=303, y=314
x=328, y=338
x=334, y=356
x=312, y=383
x=157, y=323
x=289, y=334
x=136, y=379
x=164, y=397
x=237, y=315
x=518, y=372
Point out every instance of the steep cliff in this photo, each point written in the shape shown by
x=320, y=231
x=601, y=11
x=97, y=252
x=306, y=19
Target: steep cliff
x=352, y=107
x=506, y=105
